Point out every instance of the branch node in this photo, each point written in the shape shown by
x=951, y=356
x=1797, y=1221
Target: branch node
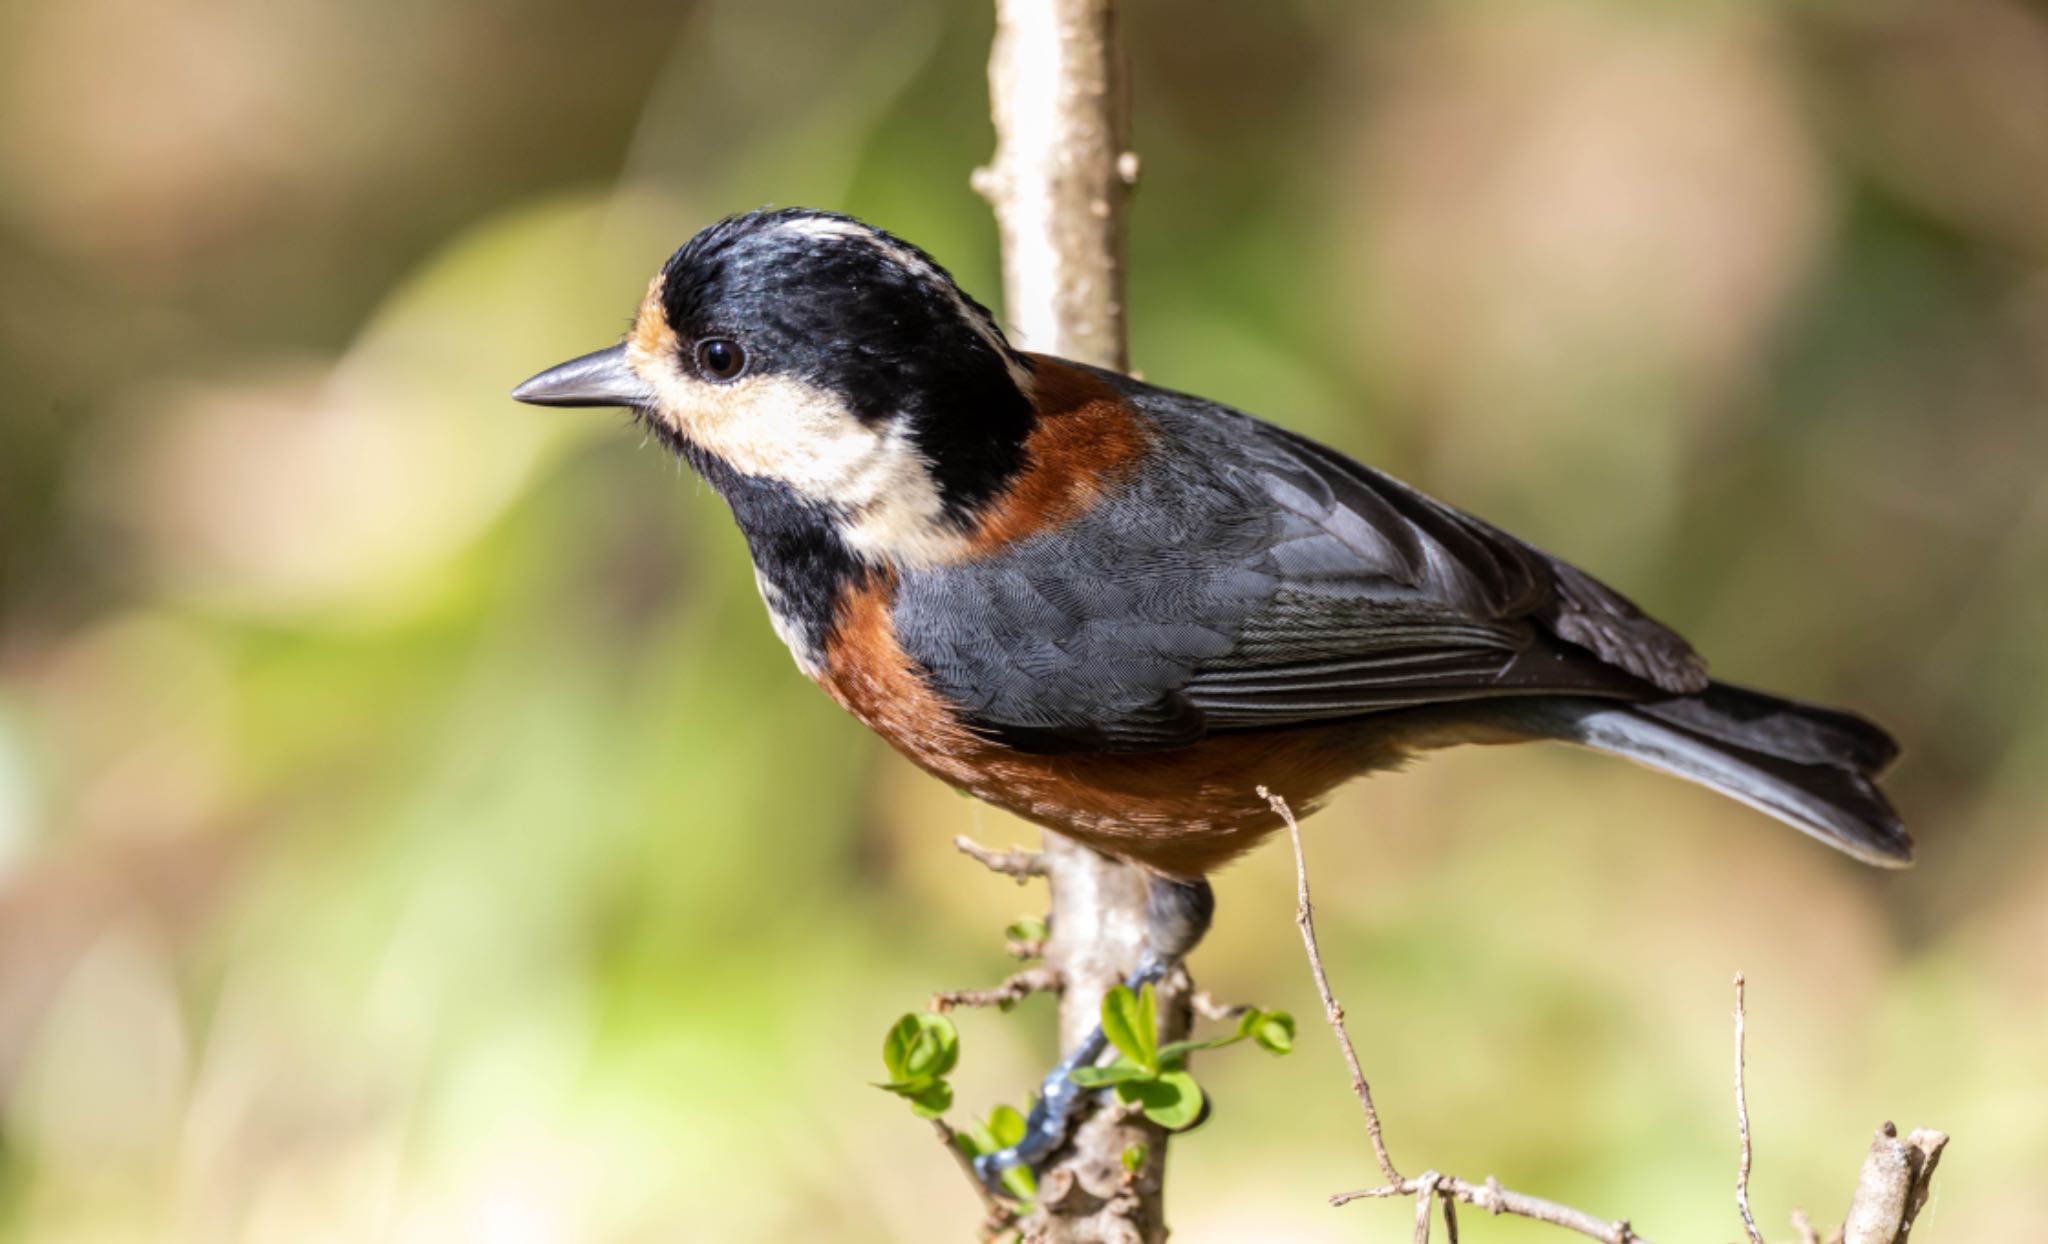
x=1206, y=1006
x=1804, y=1226
x=1031, y=948
x=1059, y=1190
x=1893, y=1186
x=1425, y=1204
x=1015, y=862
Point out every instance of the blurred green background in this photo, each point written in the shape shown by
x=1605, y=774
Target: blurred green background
x=411, y=831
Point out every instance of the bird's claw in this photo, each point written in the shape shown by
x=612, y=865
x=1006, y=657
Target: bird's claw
x=1045, y=1128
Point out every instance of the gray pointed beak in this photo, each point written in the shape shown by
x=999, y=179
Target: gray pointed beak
x=600, y=378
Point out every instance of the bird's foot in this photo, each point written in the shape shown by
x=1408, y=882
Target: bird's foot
x=1052, y=1115
x=1177, y=914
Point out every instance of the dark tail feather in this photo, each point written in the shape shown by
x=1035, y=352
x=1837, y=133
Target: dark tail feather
x=1811, y=767
x=1775, y=726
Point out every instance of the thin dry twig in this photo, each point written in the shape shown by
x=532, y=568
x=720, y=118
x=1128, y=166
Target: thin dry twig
x=1890, y=1194
x=1742, y=1121
x=1494, y=1199
x=1015, y=862
x=1304, y=919
x=998, y=1215
x=1489, y=1196
x=1014, y=989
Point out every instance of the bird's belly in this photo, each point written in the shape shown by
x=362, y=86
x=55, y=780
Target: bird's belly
x=1183, y=811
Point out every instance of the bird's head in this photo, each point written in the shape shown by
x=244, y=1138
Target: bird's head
x=810, y=353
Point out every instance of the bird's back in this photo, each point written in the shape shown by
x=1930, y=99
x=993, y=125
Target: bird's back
x=1240, y=577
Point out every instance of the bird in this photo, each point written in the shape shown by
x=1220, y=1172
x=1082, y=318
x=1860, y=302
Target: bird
x=1117, y=610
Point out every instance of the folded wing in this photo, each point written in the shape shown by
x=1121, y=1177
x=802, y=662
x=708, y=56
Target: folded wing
x=1248, y=578
x=1386, y=598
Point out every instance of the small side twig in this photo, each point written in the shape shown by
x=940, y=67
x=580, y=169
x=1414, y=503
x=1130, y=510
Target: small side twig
x=1015, y=862
x=1742, y=1121
x=1024, y=947
x=1489, y=1196
x=1804, y=1226
x=998, y=1215
x=1014, y=989
x=1205, y=1005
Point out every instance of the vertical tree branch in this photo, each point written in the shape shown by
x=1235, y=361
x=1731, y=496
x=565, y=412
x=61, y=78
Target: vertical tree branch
x=1062, y=174
x=1059, y=182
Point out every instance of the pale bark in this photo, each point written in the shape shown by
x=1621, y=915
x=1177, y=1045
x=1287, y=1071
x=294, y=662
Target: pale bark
x=1059, y=182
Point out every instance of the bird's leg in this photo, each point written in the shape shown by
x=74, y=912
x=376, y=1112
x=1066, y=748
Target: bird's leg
x=1177, y=914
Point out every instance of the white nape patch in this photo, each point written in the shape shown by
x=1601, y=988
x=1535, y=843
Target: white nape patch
x=777, y=427
x=983, y=325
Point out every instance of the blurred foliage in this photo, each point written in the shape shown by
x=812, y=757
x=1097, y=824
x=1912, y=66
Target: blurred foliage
x=409, y=829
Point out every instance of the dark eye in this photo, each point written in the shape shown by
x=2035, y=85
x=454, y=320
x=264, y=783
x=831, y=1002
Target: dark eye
x=720, y=359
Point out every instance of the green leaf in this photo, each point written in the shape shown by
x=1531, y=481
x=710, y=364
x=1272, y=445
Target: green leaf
x=919, y=1051
x=896, y=1046
x=920, y=1047
x=1005, y=1126
x=928, y=1096
x=1120, y=1020
x=975, y=1140
x=1115, y=1073
x=1274, y=1032
x=1173, y=1101
x=1026, y=929
x=905, y=1088
x=1134, y=1157
x=1019, y=1182
x=1148, y=1025
x=935, y=1099
x=1131, y=1023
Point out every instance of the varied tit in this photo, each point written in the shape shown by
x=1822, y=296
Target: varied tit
x=1117, y=610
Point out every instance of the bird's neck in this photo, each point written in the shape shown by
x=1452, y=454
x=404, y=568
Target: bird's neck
x=802, y=562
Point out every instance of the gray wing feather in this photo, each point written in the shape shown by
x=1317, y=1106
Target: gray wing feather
x=1248, y=578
